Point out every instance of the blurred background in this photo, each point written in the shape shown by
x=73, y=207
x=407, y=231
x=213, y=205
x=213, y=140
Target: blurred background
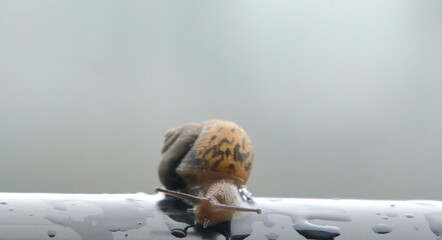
x=341, y=98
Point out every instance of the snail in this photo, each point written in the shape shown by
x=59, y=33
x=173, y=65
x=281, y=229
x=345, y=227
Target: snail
x=206, y=164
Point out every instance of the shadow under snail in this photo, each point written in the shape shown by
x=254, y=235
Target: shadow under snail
x=206, y=164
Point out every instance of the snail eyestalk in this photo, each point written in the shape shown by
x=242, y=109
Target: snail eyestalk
x=237, y=209
x=184, y=196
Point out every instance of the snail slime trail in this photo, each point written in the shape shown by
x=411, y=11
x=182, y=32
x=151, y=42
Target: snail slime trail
x=206, y=164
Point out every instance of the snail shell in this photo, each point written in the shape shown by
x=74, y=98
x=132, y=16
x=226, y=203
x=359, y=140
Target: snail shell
x=196, y=153
x=206, y=164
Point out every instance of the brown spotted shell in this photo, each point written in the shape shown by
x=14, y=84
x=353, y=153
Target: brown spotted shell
x=200, y=153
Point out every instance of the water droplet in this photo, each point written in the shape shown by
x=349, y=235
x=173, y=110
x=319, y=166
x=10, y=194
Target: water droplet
x=391, y=214
x=268, y=223
x=126, y=235
x=272, y=236
x=310, y=231
x=52, y=233
x=30, y=215
x=435, y=219
x=382, y=228
x=3, y=203
x=139, y=223
x=386, y=218
x=11, y=209
x=378, y=213
x=245, y=194
x=409, y=215
x=318, y=234
x=392, y=205
x=239, y=237
x=179, y=233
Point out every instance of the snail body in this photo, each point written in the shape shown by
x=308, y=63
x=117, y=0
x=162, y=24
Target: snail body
x=206, y=164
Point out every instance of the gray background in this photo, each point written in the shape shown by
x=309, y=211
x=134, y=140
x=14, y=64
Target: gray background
x=341, y=98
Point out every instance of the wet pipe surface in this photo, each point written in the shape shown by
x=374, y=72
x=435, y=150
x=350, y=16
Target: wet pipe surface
x=142, y=216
